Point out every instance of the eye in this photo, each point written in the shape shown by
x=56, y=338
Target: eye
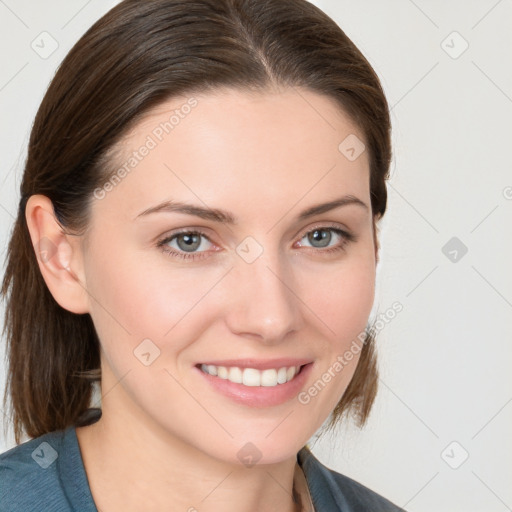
x=186, y=244
x=322, y=236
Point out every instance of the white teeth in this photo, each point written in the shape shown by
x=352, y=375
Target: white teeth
x=212, y=370
x=269, y=377
x=281, y=375
x=235, y=375
x=290, y=373
x=252, y=377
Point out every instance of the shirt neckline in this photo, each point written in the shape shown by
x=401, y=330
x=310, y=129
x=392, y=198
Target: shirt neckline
x=300, y=487
x=71, y=468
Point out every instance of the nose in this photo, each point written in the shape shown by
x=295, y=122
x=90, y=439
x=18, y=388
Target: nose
x=263, y=304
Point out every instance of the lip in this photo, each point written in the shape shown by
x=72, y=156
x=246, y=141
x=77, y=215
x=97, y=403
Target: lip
x=259, y=364
x=258, y=396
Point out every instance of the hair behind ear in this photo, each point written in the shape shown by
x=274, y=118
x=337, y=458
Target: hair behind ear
x=49, y=349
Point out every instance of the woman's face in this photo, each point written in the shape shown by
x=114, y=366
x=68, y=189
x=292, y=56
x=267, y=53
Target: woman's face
x=265, y=285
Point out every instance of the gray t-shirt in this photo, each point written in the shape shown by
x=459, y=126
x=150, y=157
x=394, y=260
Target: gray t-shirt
x=47, y=474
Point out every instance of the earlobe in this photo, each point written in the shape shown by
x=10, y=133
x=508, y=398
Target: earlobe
x=58, y=255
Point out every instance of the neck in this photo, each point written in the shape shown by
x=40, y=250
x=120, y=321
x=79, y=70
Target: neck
x=133, y=465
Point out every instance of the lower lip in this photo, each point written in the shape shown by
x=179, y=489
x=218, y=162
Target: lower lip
x=259, y=396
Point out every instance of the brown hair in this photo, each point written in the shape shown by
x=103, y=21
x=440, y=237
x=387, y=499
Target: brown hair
x=135, y=57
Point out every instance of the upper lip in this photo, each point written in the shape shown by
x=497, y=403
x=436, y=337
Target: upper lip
x=260, y=364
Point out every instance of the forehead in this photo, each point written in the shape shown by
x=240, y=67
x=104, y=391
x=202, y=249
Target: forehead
x=242, y=148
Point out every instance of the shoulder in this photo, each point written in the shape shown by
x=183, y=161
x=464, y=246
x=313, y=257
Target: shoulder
x=333, y=491
x=29, y=479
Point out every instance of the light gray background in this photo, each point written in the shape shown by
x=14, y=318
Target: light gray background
x=445, y=389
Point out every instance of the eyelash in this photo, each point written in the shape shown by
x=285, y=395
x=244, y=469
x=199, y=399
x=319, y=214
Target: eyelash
x=346, y=238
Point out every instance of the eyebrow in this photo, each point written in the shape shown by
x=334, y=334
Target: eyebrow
x=223, y=216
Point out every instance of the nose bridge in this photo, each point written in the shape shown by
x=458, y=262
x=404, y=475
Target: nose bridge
x=263, y=302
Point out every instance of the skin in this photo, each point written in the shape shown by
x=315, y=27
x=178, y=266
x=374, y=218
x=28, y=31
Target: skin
x=264, y=157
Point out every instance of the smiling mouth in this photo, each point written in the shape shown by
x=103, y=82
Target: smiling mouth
x=251, y=376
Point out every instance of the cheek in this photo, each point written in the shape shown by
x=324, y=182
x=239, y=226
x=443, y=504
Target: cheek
x=138, y=298
x=342, y=299
x=343, y=305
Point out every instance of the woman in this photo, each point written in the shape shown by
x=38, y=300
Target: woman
x=197, y=232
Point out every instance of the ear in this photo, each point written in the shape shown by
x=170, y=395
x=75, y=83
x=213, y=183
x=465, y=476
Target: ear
x=59, y=255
